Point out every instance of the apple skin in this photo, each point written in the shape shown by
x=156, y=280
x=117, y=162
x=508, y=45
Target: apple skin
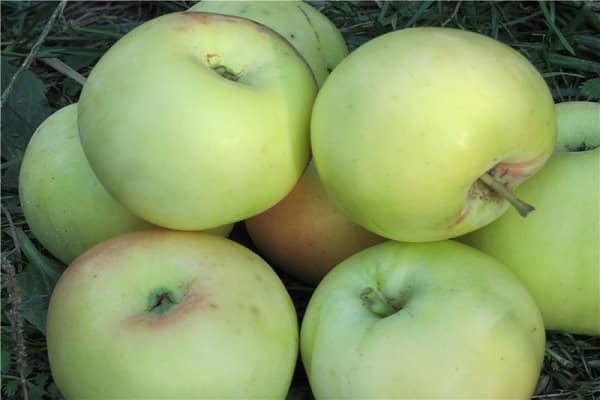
x=221, y=340
x=66, y=207
x=184, y=146
x=306, y=234
x=406, y=124
x=578, y=126
x=555, y=251
x=467, y=327
x=308, y=30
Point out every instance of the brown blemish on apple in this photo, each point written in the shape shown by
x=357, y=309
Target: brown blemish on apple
x=478, y=191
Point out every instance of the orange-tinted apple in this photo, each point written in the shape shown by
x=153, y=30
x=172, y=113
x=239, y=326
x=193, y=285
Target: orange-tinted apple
x=307, y=233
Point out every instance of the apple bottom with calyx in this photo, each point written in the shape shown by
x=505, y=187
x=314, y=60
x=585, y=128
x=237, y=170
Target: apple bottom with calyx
x=162, y=314
x=307, y=233
x=555, y=251
x=422, y=320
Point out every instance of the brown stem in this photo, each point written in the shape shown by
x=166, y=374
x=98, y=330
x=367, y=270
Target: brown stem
x=522, y=207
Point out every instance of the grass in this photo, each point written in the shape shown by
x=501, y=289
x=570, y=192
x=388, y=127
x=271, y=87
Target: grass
x=562, y=39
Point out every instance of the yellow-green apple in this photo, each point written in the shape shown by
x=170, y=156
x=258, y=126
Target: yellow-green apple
x=195, y=120
x=163, y=314
x=309, y=31
x=385, y=321
x=556, y=251
x=578, y=125
x=408, y=127
x=306, y=234
x=66, y=207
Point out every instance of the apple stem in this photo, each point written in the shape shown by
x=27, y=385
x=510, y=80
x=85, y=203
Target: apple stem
x=522, y=207
x=377, y=303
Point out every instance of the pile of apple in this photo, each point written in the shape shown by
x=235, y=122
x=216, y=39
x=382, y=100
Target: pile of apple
x=197, y=120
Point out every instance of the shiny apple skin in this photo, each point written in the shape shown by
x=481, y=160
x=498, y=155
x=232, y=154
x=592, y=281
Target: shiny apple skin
x=555, y=251
x=466, y=327
x=231, y=334
x=406, y=124
x=195, y=120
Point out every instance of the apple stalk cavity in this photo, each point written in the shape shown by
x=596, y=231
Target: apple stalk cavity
x=380, y=304
x=162, y=301
x=522, y=207
x=226, y=73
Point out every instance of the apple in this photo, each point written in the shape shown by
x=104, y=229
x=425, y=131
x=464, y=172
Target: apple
x=555, y=252
x=422, y=320
x=309, y=31
x=306, y=234
x=163, y=314
x=66, y=207
x=408, y=127
x=196, y=120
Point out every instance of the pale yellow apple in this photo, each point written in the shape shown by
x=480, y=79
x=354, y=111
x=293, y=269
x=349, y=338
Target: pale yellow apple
x=435, y=320
x=196, y=120
x=556, y=250
x=405, y=126
x=65, y=206
x=171, y=315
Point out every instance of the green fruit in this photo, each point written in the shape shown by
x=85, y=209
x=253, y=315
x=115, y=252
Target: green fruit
x=404, y=128
x=309, y=31
x=66, y=207
x=171, y=315
x=555, y=251
x=196, y=120
x=433, y=320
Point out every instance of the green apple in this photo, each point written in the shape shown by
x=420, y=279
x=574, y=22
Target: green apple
x=66, y=207
x=309, y=31
x=436, y=320
x=407, y=128
x=306, y=234
x=196, y=120
x=162, y=314
x=555, y=251
x=578, y=125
